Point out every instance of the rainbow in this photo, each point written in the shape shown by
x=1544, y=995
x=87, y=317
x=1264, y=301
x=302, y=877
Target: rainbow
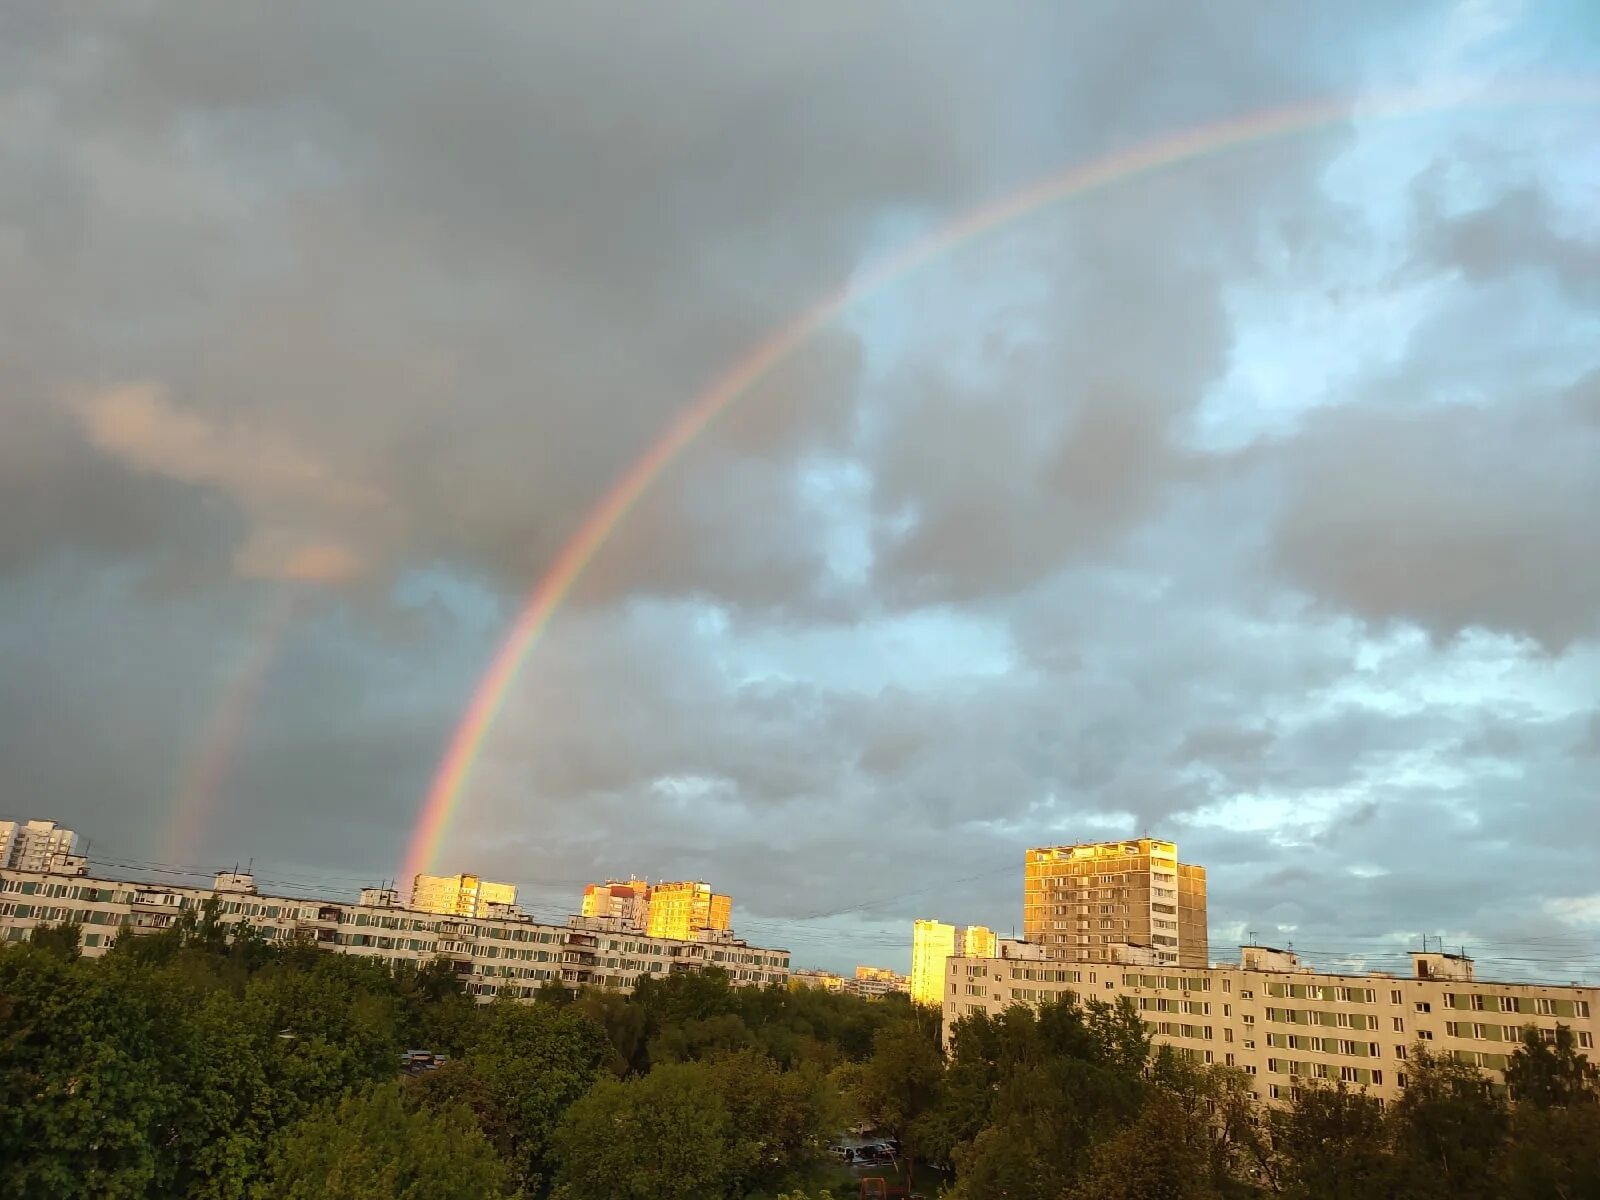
x=208, y=769
x=454, y=772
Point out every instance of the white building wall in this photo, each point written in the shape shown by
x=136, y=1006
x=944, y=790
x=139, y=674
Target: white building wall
x=490, y=954
x=1288, y=1025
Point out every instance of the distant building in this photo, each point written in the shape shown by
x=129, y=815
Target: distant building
x=1080, y=900
x=39, y=846
x=683, y=910
x=627, y=901
x=459, y=895
x=825, y=981
x=932, y=942
x=872, y=982
x=502, y=953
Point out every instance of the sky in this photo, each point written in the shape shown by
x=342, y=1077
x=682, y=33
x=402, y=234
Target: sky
x=1249, y=502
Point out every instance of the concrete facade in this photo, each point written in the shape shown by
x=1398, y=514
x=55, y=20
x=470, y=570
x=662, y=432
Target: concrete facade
x=505, y=951
x=1284, y=1024
x=1079, y=900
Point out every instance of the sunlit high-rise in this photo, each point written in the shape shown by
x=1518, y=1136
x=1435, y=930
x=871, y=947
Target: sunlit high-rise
x=682, y=910
x=1087, y=902
x=627, y=901
x=459, y=895
x=934, y=942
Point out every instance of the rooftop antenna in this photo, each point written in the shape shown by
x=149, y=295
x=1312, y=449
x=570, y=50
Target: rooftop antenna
x=1251, y=934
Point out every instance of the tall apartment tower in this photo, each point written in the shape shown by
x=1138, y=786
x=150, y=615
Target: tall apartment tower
x=1093, y=901
x=932, y=943
x=627, y=901
x=459, y=895
x=682, y=910
x=36, y=845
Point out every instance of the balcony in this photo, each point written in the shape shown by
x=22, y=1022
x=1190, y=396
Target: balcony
x=164, y=902
x=582, y=958
x=580, y=939
x=576, y=976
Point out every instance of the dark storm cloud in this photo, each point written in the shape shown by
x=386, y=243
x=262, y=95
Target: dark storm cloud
x=380, y=300
x=1450, y=516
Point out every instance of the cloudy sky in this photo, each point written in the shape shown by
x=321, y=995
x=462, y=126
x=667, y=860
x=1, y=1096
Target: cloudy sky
x=1249, y=502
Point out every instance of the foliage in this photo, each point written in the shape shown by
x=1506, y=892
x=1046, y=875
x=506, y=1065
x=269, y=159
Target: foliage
x=372, y=1146
x=532, y=1063
x=663, y=1136
x=898, y=1087
x=1330, y=1142
x=204, y=1062
x=1551, y=1074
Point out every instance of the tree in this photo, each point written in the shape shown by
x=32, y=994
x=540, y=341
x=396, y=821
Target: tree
x=1447, y=1128
x=371, y=1146
x=1162, y=1155
x=1053, y=1082
x=1548, y=1074
x=533, y=1061
x=82, y=1099
x=60, y=940
x=898, y=1086
x=660, y=1137
x=1551, y=1153
x=1555, y=1126
x=778, y=1121
x=1330, y=1142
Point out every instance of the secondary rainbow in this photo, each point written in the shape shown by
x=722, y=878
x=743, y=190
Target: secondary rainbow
x=208, y=769
x=455, y=769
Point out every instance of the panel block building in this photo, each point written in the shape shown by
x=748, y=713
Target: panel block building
x=1115, y=901
x=459, y=895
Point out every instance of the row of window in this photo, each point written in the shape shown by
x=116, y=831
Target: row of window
x=1322, y=1070
x=1322, y=1045
x=1337, y=993
x=1312, y=1016
x=1545, y=1006
x=1171, y=983
x=1478, y=1031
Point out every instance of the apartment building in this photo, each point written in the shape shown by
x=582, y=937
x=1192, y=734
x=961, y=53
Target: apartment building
x=682, y=910
x=503, y=951
x=869, y=982
x=873, y=982
x=822, y=981
x=38, y=846
x=932, y=943
x=1284, y=1024
x=628, y=901
x=459, y=895
x=1080, y=901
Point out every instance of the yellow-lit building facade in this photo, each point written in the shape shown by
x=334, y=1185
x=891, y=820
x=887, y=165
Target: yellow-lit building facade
x=873, y=982
x=1080, y=901
x=627, y=901
x=459, y=895
x=978, y=942
x=1286, y=1026
x=682, y=910
x=932, y=944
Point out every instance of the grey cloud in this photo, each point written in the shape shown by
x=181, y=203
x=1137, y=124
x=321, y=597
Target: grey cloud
x=1451, y=517
x=474, y=262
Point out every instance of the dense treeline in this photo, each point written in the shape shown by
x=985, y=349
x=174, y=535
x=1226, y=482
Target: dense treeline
x=204, y=1062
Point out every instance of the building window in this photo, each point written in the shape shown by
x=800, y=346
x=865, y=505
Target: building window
x=1399, y=1024
x=1400, y=1052
x=1585, y=1038
x=1423, y=1006
x=1395, y=996
x=1425, y=1035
